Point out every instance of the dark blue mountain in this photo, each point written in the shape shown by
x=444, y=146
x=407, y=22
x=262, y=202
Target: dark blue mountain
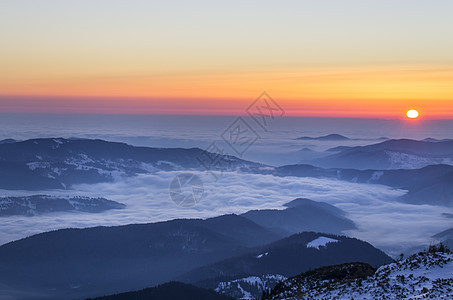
x=289, y=257
x=429, y=185
x=106, y=260
x=445, y=237
x=41, y=204
x=7, y=141
x=40, y=164
x=330, y=137
x=392, y=154
x=339, y=149
x=302, y=215
x=168, y=291
x=77, y=263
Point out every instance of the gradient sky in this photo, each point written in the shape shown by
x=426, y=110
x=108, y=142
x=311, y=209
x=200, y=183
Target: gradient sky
x=361, y=58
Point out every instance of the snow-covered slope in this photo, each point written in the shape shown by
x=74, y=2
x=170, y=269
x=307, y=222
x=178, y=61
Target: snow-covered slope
x=41, y=204
x=250, y=287
x=390, y=155
x=322, y=241
x=423, y=275
x=42, y=164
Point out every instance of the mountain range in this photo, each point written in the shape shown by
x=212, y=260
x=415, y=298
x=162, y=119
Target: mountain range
x=43, y=164
x=330, y=137
x=391, y=154
x=289, y=257
x=236, y=255
x=302, y=215
x=77, y=263
x=41, y=204
x=428, y=185
x=57, y=163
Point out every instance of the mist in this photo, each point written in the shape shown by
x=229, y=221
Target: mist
x=380, y=218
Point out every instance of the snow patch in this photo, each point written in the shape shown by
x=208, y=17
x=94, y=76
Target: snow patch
x=58, y=141
x=251, y=287
x=376, y=176
x=400, y=160
x=38, y=165
x=322, y=241
x=168, y=163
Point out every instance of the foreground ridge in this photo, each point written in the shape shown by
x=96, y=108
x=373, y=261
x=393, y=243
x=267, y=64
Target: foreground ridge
x=424, y=275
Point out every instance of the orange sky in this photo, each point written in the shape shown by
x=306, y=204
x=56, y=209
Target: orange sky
x=360, y=92
x=316, y=58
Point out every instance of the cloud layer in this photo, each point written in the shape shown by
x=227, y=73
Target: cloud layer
x=381, y=220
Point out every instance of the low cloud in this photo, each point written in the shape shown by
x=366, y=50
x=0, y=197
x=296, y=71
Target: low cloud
x=381, y=220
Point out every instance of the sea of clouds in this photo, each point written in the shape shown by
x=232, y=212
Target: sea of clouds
x=380, y=218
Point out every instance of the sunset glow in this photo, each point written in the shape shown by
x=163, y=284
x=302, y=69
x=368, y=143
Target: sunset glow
x=313, y=58
x=149, y=146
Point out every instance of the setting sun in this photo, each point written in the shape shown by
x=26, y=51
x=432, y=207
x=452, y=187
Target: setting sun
x=412, y=114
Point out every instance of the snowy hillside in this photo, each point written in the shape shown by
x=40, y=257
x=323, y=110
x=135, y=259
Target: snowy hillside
x=423, y=275
x=322, y=241
x=250, y=287
x=42, y=164
x=40, y=204
x=390, y=155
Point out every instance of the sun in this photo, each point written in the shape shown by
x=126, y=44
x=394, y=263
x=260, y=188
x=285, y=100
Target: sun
x=412, y=114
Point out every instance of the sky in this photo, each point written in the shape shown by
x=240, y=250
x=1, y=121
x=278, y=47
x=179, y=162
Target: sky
x=350, y=58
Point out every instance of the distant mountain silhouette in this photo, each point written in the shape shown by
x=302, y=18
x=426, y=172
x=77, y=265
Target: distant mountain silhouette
x=302, y=215
x=55, y=163
x=330, y=137
x=7, y=141
x=428, y=185
x=446, y=237
x=339, y=149
x=42, y=164
x=41, y=204
x=446, y=234
x=437, y=190
x=392, y=154
x=432, y=140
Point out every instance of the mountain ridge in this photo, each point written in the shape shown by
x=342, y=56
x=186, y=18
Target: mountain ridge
x=390, y=154
x=58, y=163
x=41, y=204
x=289, y=256
x=106, y=260
x=422, y=275
x=329, y=137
